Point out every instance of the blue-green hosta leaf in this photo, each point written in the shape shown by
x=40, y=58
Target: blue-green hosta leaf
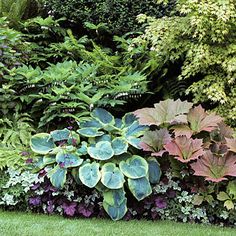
x=119, y=145
x=102, y=151
x=116, y=212
x=134, y=167
x=59, y=135
x=90, y=132
x=154, y=170
x=67, y=160
x=42, y=143
x=114, y=196
x=91, y=124
x=118, y=123
x=89, y=174
x=103, y=116
x=135, y=130
x=135, y=142
x=140, y=188
x=83, y=149
x=128, y=119
x=74, y=138
x=57, y=176
x=112, y=177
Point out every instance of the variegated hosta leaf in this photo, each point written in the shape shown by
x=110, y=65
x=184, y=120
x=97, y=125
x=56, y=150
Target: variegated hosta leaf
x=67, y=160
x=134, y=167
x=102, y=151
x=140, y=188
x=91, y=124
x=112, y=177
x=103, y=116
x=154, y=141
x=114, y=203
x=128, y=119
x=42, y=143
x=185, y=149
x=201, y=121
x=215, y=168
x=119, y=145
x=89, y=174
x=59, y=135
x=57, y=176
x=154, y=170
x=168, y=111
x=231, y=144
x=90, y=132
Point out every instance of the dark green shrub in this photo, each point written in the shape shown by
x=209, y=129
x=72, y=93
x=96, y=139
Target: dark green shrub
x=120, y=15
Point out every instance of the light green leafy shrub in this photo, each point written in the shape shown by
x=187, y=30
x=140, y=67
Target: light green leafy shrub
x=201, y=35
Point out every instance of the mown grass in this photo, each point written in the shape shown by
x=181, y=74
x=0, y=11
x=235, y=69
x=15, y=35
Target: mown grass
x=23, y=224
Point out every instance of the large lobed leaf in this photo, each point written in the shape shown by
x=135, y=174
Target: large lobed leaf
x=185, y=149
x=168, y=111
x=214, y=168
x=154, y=141
x=231, y=144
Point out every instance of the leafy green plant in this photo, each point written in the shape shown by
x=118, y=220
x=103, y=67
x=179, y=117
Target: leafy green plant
x=191, y=136
x=199, y=38
x=100, y=154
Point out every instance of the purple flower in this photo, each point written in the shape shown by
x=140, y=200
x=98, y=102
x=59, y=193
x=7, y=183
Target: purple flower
x=35, y=201
x=85, y=211
x=69, y=209
x=29, y=161
x=160, y=202
x=70, y=127
x=24, y=153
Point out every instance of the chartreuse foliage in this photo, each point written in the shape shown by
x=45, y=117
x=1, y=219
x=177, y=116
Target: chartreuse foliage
x=190, y=134
x=100, y=155
x=200, y=35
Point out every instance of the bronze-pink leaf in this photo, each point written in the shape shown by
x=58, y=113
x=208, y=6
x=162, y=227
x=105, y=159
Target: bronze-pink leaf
x=231, y=144
x=214, y=168
x=185, y=149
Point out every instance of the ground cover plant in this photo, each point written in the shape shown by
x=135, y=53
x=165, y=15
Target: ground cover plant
x=94, y=124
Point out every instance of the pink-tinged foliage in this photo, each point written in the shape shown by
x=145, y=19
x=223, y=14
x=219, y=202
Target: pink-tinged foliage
x=231, y=144
x=182, y=130
x=168, y=111
x=201, y=121
x=153, y=141
x=185, y=149
x=214, y=168
x=225, y=131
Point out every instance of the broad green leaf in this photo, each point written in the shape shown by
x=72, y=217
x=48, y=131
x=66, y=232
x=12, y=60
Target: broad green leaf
x=42, y=143
x=134, y=167
x=222, y=196
x=231, y=189
x=102, y=151
x=140, y=188
x=90, y=132
x=114, y=196
x=119, y=146
x=89, y=174
x=59, y=135
x=197, y=200
x=57, y=176
x=229, y=204
x=67, y=160
x=49, y=160
x=116, y=212
x=103, y=116
x=112, y=177
x=91, y=124
x=154, y=170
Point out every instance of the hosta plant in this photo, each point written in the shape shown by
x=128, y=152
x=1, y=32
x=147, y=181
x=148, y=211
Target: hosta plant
x=190, y=135
x=101, y=154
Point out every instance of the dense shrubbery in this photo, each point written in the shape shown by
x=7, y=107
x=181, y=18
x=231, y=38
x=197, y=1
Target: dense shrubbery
x=119, y=16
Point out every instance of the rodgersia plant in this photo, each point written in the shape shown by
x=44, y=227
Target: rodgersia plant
x=191, y=136
x=101, y=155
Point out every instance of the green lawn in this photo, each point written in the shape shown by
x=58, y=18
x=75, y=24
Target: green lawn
x=14, y=224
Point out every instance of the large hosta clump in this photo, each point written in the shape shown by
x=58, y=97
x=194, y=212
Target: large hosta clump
x=101, y=154
x=191, y=136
